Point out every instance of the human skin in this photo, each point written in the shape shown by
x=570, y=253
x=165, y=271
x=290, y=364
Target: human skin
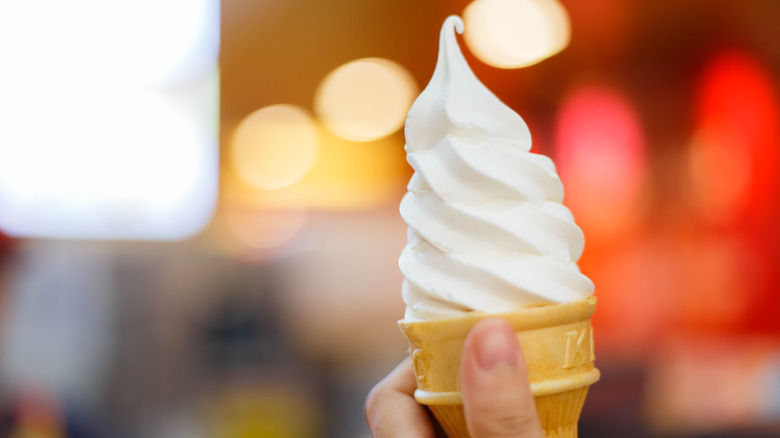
x=497, y=400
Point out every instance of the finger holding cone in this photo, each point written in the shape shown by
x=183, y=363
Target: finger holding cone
x=556, y=342
x=497, y=400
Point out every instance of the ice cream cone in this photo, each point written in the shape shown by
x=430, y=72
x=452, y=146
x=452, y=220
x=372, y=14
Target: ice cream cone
x=557, y=343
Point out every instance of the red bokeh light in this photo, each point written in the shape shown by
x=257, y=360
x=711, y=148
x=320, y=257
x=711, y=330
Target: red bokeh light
x=738, y=124
x=736, y=182
x=600, y=151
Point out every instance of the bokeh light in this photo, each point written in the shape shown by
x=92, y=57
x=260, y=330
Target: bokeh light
x=346, y=175
x=274, y=146
x=601, y=157
x=145, y=43
x=366, y=99
x=102, y=164
x=733, y=157
x=516, y=33
x=108, y=119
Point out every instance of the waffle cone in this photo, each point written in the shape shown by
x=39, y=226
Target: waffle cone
x=557, y=342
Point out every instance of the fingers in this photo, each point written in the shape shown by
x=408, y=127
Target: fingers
x=497, y=399
x=391, y=410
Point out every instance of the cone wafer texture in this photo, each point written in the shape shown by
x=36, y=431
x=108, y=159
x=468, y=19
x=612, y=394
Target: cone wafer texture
x=557, y=343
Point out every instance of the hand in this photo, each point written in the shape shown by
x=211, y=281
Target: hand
x=497, y=399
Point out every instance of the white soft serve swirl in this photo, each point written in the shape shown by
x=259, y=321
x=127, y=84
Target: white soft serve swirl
x=487, y=230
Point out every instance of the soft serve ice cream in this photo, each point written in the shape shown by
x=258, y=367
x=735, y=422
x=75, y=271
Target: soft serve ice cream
x=488, y=234
x=487, y=229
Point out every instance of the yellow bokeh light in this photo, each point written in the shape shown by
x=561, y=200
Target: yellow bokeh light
x=516, y=33
x=274, y=146
x=347, y=175
x=366, y=99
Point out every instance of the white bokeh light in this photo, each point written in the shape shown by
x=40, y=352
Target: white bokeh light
x=108, y=118
x=144, y=42
x=274, y=146
x=516, y=33
x=366, y=99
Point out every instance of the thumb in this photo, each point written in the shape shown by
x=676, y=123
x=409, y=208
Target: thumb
x=497, y=400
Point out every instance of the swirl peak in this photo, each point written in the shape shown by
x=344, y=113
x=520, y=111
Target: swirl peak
x=456, y=103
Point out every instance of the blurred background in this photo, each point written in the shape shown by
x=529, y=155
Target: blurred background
x=199, y=225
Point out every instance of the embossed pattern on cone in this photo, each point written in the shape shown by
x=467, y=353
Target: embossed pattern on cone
x=557, y=343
